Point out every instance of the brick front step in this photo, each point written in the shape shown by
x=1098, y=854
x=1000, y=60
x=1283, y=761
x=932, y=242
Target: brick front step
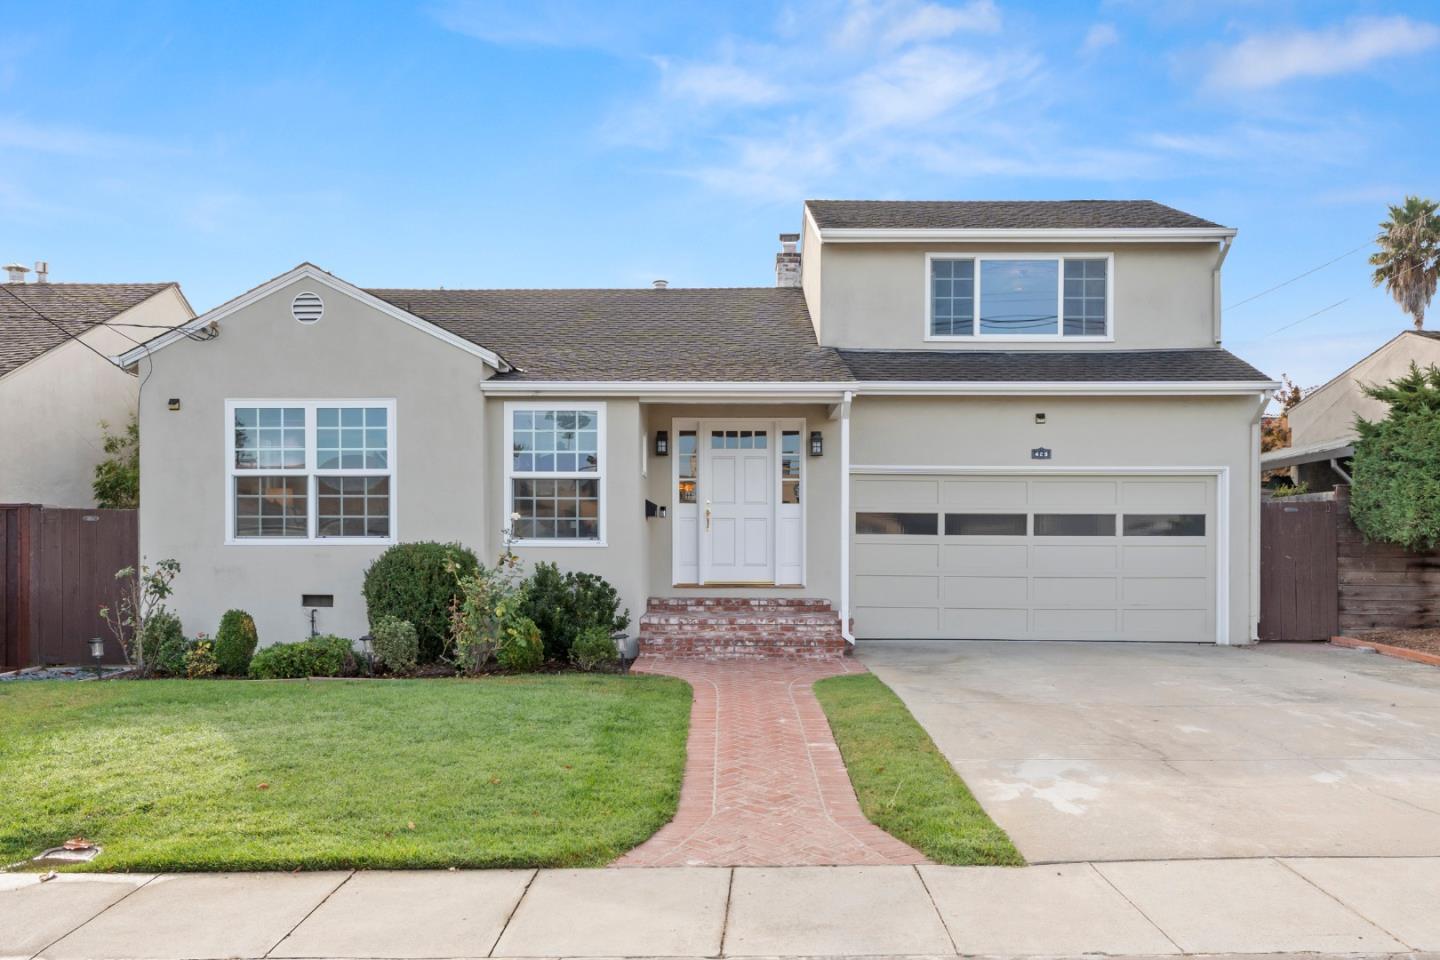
x=741, y=628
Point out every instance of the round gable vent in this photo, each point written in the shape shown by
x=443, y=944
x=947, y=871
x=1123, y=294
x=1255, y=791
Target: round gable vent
x=307, y=307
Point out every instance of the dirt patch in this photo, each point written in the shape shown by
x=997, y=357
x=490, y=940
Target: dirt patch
x=1426, y=641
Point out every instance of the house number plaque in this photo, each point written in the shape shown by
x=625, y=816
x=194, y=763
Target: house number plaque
x=1040, y=453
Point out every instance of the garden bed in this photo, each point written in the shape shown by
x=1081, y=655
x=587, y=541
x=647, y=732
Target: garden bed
x=1419, y=646
x=172, y=775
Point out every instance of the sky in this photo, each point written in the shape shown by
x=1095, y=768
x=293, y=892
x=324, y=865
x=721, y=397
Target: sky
x=553, y=143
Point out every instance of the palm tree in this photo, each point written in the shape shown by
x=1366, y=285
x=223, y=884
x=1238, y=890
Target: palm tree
x=1408, y=263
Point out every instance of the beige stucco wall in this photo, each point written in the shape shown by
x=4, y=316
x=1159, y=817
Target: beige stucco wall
x=1082, y=433
x=1329, y=413
x=812, y=269
x=354, y=352
x=51, y=408
x=873, y=295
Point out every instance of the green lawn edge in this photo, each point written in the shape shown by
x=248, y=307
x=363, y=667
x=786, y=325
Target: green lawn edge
x=905, y=785
x=532, y=771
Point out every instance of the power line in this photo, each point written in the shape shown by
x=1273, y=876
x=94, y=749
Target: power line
x=1306, y=317
x=56, y=324
x=1301, y=276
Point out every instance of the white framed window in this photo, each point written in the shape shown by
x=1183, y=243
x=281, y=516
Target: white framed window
x=971, y=297
x=555, y=473
x=310, y=471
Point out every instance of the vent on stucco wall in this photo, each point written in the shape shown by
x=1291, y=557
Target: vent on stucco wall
x=307, y=307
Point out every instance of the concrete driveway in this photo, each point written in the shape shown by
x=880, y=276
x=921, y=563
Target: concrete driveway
x=1085, y=751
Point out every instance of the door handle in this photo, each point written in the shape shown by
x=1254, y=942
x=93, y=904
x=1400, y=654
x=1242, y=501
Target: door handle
x=707, y=516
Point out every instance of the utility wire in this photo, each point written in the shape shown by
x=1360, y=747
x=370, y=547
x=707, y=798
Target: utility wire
x=1302, y=276
x=57, y=325
x=1304, y=318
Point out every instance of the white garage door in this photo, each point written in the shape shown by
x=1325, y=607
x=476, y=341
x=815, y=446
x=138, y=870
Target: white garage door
x=1034, y=557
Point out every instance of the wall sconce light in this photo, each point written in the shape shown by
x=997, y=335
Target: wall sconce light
x=173, y=404
x=817, y=444
x=1039, y=418
x=662, y=443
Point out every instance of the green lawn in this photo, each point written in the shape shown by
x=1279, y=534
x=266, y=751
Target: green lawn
x=563, y=770
x=906, y=787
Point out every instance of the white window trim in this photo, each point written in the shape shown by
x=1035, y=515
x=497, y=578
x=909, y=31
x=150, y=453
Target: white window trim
x=602, y=458
x=1058, y=335
x=310, y=471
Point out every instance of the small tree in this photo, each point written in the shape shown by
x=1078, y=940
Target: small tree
x=142, y=596
x=117, y=477
x=1408, y=263
x=1275, y=432
x=1396, y=472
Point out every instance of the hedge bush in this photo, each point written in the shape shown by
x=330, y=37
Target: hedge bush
x=396, y=646
x=564, y=605
x=520, y=648
x=200, y=660
x=323, y=656
x=594, y=649
x=1395, y=493
x=409, y=581
x=235, y=643
x=163, y=645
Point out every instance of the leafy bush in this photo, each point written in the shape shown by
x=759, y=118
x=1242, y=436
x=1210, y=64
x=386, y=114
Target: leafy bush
x=323, y=656
x=1396, y=473
x=163, y=645
x=117, y=478
x=411, y=581
x=1290, y=490
x=520, y=649
x=235, y=643
x=200, y=659
x=396, y=645
x=564, y=605
x=490, y=598
x=594, y=649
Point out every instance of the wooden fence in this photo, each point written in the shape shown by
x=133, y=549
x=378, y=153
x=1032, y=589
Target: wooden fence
x=57, y=568
x=1382, y=586
x=1299, y=597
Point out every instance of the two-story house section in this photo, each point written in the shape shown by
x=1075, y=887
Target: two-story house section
x=946, y=420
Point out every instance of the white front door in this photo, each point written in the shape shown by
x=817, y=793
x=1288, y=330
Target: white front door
x=737, y=509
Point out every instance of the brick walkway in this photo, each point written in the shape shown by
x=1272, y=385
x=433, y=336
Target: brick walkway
x=764, y=782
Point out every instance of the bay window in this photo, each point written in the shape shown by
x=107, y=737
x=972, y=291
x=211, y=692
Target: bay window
x=555, y=473
x=310, y=471
x=1018, y=297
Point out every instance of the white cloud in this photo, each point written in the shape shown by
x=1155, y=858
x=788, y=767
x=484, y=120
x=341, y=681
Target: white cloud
x=1268, y=60
x=1098, y=37
x=710, y=84
x=894, y=23
x=927, y=82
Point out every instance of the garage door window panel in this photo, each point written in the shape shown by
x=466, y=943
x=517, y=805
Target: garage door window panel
x=986, y=524
x=1164, y=524
x=1074, y=524
x=897, y=524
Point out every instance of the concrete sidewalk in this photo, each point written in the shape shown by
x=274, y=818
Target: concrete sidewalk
x=1333, y=906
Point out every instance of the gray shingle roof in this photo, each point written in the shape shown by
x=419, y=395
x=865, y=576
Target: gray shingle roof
x=1054, y=366
x=693, y=334
x=999, y=215
x=75, y=306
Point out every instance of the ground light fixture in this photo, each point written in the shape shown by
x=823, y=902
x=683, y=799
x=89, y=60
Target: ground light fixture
x=97, y=652
x=367, y=647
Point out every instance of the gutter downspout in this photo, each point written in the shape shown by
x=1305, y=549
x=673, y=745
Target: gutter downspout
x=1339, y=470
x=1225, y=246
x=845, y=518
x=1254, y=487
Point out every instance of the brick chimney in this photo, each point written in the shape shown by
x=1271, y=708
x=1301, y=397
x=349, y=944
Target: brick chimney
x=787, y=261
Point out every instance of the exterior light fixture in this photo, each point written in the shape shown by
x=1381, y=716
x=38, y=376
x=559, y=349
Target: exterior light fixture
x=367, y=647
x=817, y=444
x=173, y=404
x=1039, y=418
x=97, y=653
x=662, y=443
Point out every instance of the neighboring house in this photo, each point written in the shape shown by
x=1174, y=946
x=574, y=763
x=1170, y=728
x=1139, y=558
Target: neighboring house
x=946, y=420
x=1322, y=426
x=57, y=383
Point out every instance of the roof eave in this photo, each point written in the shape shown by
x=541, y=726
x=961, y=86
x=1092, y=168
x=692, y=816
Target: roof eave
x=1025, y=235
x=799, y=389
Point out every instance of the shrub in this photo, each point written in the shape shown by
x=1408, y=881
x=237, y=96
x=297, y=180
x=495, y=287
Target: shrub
x=410, y=581
x=235, y=643
x=563, y=605
x=489, y=599
x=200, y=660
x=1290, y=490
x=520, y=649
x=1396, y=473
x=323, y=656
x=163, y=645
x=594, y=649
x=396, y=645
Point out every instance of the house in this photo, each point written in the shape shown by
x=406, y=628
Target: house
x=945, y=420
x=1322, y=425
x=57, y=381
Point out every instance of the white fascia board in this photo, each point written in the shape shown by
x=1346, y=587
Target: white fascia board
x=833, y=390
x=1132, y=235
x=307, y=271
